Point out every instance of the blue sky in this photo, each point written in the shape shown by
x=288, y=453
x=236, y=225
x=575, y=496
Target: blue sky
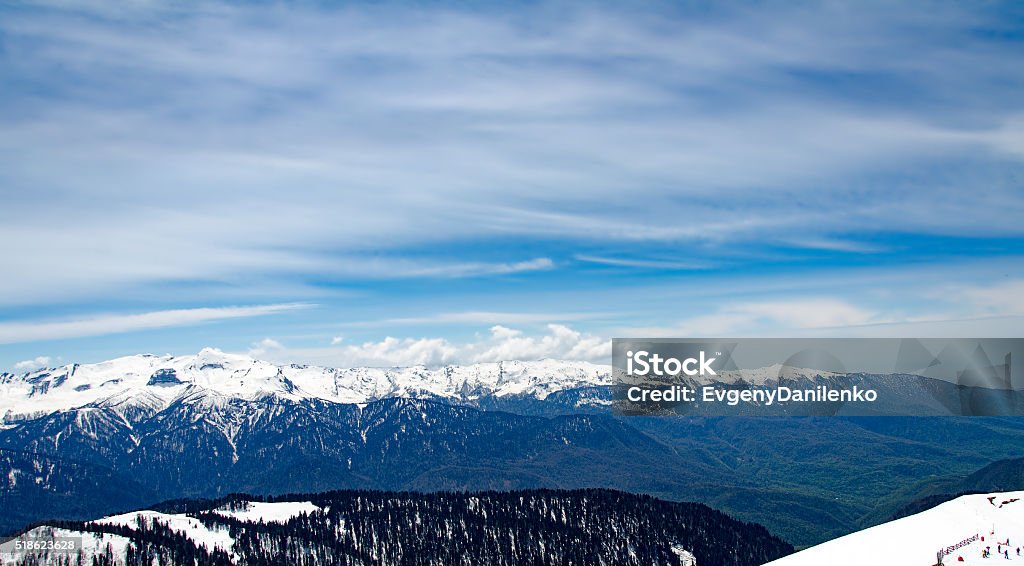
x=394, y=183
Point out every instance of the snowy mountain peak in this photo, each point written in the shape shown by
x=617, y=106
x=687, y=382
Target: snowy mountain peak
x=148, y=383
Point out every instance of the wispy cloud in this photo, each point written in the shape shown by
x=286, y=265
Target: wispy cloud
x=643, y=263
x=12, y=332
x=770, y=316
x=850, y=246
x=476, y=318
x=249, y=142
x=1003, y=298
x=504, y=165
x=468, y=269
x=964, y=309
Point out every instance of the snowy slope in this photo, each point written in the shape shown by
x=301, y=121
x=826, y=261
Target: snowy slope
x=195, y=530
x=254, y=511
x=92, y=544
x=190, y=527
x=914, y=540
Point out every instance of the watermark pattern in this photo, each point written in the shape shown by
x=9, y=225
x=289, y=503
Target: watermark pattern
x=818, y=377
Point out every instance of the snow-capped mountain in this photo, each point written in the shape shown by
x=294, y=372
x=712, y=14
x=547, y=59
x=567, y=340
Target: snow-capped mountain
x=960, y=529
x=151, y=383
x=147, y=383
x=773, y=374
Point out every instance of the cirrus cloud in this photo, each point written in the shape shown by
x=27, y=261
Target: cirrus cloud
x=12, y=332
x=243, y=143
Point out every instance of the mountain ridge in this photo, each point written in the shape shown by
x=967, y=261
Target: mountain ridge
x=159, y=380
x=150, y=383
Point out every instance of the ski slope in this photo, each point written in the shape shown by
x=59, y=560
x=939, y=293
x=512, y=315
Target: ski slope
x=915, y=540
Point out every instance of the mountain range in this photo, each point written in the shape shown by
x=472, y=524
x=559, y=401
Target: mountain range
x=83, y=441
x=149, y=383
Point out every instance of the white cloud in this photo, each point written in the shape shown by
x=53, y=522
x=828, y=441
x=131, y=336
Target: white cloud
x=39, y=362
x=398, y=352
x=265, y=346
x=12, y=332
x=561, y=342
x=502, y=343
x=499, y=332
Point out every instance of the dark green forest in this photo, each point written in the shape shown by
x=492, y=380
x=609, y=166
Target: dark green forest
x=541, y=527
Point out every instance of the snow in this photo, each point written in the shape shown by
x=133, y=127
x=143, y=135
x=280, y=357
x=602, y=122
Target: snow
x=214, y=377
x=123, y=384
x=914, y=540
x=92, y=544
x=190, y=527
x=685, y=556
x=269, y=512
x=771, y=374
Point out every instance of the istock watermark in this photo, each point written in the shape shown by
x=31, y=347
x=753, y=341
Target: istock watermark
x=818, y=377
